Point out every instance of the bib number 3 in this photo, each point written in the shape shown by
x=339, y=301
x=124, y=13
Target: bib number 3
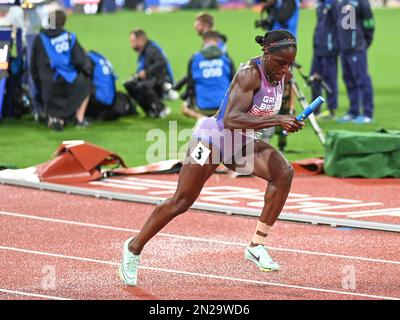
x=200, y=154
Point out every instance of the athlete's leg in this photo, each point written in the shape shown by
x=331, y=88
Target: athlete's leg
x=191, y=180
x=270, y=165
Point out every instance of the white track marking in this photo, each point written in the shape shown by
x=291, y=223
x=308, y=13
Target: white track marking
x=203, y=275
x=254, y=198
x=153, y=181
x=142, y=184
x=91, y=225
x=330, y=199
x=21, y=293
x=378, y=212
x=328, y=210
x=114, y=185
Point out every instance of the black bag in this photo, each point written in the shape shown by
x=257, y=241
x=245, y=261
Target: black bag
x=202, y=4
x=17, y=100
x=122, y=106
x=132, y=4
x=21, y=102
x=147, y=94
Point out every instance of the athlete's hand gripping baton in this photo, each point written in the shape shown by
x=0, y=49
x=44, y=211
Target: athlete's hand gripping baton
x=307, y=111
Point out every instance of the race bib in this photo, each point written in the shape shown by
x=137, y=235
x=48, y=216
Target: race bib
x=200, y=154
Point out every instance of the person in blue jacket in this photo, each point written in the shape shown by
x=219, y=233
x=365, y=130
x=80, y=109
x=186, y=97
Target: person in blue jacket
x=355, y=28
x=205, y=22
x=103, y=78
x=210, y=72
x=326, y=50
x=60, y=71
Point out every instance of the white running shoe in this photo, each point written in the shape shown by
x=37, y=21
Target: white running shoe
x=171, y=95
x=128, y=269
x=259, y=255
x=165, y=112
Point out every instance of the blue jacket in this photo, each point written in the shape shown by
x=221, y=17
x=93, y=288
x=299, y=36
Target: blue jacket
x=59, y=49
x=325, y=35
x=355, y=33
x=211, y=74
x=103, y=79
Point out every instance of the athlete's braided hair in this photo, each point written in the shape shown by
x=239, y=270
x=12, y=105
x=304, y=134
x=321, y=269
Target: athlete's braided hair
x=277, y=40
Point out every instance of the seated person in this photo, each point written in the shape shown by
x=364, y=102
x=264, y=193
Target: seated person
x=153, y=78
x=60, y=70
x=210, y=72
x=203, y=23
x=106, y=103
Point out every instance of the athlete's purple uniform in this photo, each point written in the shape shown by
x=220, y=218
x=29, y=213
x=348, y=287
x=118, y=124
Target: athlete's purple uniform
x=266, y=102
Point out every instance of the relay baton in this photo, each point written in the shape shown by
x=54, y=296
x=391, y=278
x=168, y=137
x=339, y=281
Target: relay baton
x=307, y=111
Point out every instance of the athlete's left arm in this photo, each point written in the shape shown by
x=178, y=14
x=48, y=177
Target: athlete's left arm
x=245, y=84
x=241, y=93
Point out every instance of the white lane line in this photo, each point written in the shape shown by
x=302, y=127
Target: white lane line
x=142, y=184
x=121, y=186
x=21, y=293
x=203, y=275
x=153, y=181
x=91, y=225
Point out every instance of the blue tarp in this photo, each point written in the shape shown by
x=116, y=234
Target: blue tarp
x=179, y=3
x=164, y=3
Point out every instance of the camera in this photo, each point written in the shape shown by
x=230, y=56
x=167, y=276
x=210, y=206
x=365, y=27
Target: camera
x=313, y=79
x=267, y=18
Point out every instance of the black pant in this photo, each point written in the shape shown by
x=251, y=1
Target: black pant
x=147, y=94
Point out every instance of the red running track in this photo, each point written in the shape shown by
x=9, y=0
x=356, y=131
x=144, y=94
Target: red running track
x=374, y=200
x=62, y=246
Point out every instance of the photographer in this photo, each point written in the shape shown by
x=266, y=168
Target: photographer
x=60, y=71
x=205, y=22
x=153, y=76
x=210, y=72
x=281, y=14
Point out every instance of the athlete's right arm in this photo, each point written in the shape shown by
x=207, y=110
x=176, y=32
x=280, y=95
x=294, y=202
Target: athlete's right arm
x=246, y=82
